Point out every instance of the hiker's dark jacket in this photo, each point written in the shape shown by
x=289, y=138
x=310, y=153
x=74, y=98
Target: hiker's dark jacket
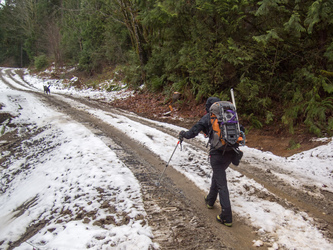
x=203, y=124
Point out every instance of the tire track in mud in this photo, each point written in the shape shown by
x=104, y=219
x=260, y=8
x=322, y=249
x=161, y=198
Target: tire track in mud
x=175, y=210
x=20, y=74
x=177, y=213
x=316, y=202
x=320, y=207
x=168, y=206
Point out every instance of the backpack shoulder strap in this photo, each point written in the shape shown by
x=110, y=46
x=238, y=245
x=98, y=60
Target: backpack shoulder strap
x=210, y=131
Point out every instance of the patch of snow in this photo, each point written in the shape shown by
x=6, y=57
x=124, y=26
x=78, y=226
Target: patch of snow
x=63, y=175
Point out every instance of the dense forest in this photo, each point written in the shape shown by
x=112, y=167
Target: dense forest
x=276, y=54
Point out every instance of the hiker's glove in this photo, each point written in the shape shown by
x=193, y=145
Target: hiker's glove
x=181, y=135
x=237, y=156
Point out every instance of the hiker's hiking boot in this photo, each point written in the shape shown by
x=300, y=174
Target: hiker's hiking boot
x=223, y=221
x=225, y=217
x=207, y=204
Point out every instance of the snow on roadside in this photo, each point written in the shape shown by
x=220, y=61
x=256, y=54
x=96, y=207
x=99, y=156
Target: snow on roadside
x=85, y=195
x=282, y=226
x=312, y=167
x=57, y=87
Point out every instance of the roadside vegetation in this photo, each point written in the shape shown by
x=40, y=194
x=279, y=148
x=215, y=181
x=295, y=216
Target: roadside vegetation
x=277, y=54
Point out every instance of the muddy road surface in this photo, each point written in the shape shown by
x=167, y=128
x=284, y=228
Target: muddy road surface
x=176, y=210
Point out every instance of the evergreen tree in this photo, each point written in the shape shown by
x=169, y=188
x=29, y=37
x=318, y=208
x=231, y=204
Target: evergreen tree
x=277, y=54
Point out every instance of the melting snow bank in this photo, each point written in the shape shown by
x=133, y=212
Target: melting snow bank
x=69, y=172
x=66, y=186
x=58, y=87
x=278, y=225
x=313, y=167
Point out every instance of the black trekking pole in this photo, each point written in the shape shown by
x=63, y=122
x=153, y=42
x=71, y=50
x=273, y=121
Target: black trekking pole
x=159, y=180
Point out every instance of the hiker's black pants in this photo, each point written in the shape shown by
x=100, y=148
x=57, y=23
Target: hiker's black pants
x=220, y=162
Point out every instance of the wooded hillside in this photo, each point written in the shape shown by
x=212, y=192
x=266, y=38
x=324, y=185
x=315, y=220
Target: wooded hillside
x=276, y=54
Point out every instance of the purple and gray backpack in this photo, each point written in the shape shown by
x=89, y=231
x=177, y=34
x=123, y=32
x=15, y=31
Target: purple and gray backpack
x=225, y=127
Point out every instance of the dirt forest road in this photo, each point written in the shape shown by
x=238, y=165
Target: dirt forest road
x=176, y=211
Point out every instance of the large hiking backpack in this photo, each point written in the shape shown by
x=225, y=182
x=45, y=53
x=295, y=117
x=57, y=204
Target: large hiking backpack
x=225, y=128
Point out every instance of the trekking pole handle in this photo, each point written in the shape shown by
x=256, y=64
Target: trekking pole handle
x=180, y=143
x=234, y=103
x=233, y=97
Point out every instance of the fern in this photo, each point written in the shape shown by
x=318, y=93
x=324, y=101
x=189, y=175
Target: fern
x=298, y=96
x=316, y=115
x=253, y=120
x=312, y=109
x=266, y=6
x=269, y=117
x=290, y=116
x=168, y=10
x=320, y=10
x=328, y=87
x=330, y=125
x=293, y=25
x=271, y=35
x=293, y=145
x=329, y=52
x=235, y=54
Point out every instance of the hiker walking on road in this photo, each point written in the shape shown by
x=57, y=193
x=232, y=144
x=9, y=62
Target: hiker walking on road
x=220, y=160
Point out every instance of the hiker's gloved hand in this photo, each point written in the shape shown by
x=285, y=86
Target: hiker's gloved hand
x=236, y=157
x=181, y=135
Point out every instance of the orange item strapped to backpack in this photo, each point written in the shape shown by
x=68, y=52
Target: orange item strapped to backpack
x=216, y=127
x=225, y=129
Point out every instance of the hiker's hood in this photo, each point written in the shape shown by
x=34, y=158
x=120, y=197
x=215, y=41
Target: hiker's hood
x=210, y=102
